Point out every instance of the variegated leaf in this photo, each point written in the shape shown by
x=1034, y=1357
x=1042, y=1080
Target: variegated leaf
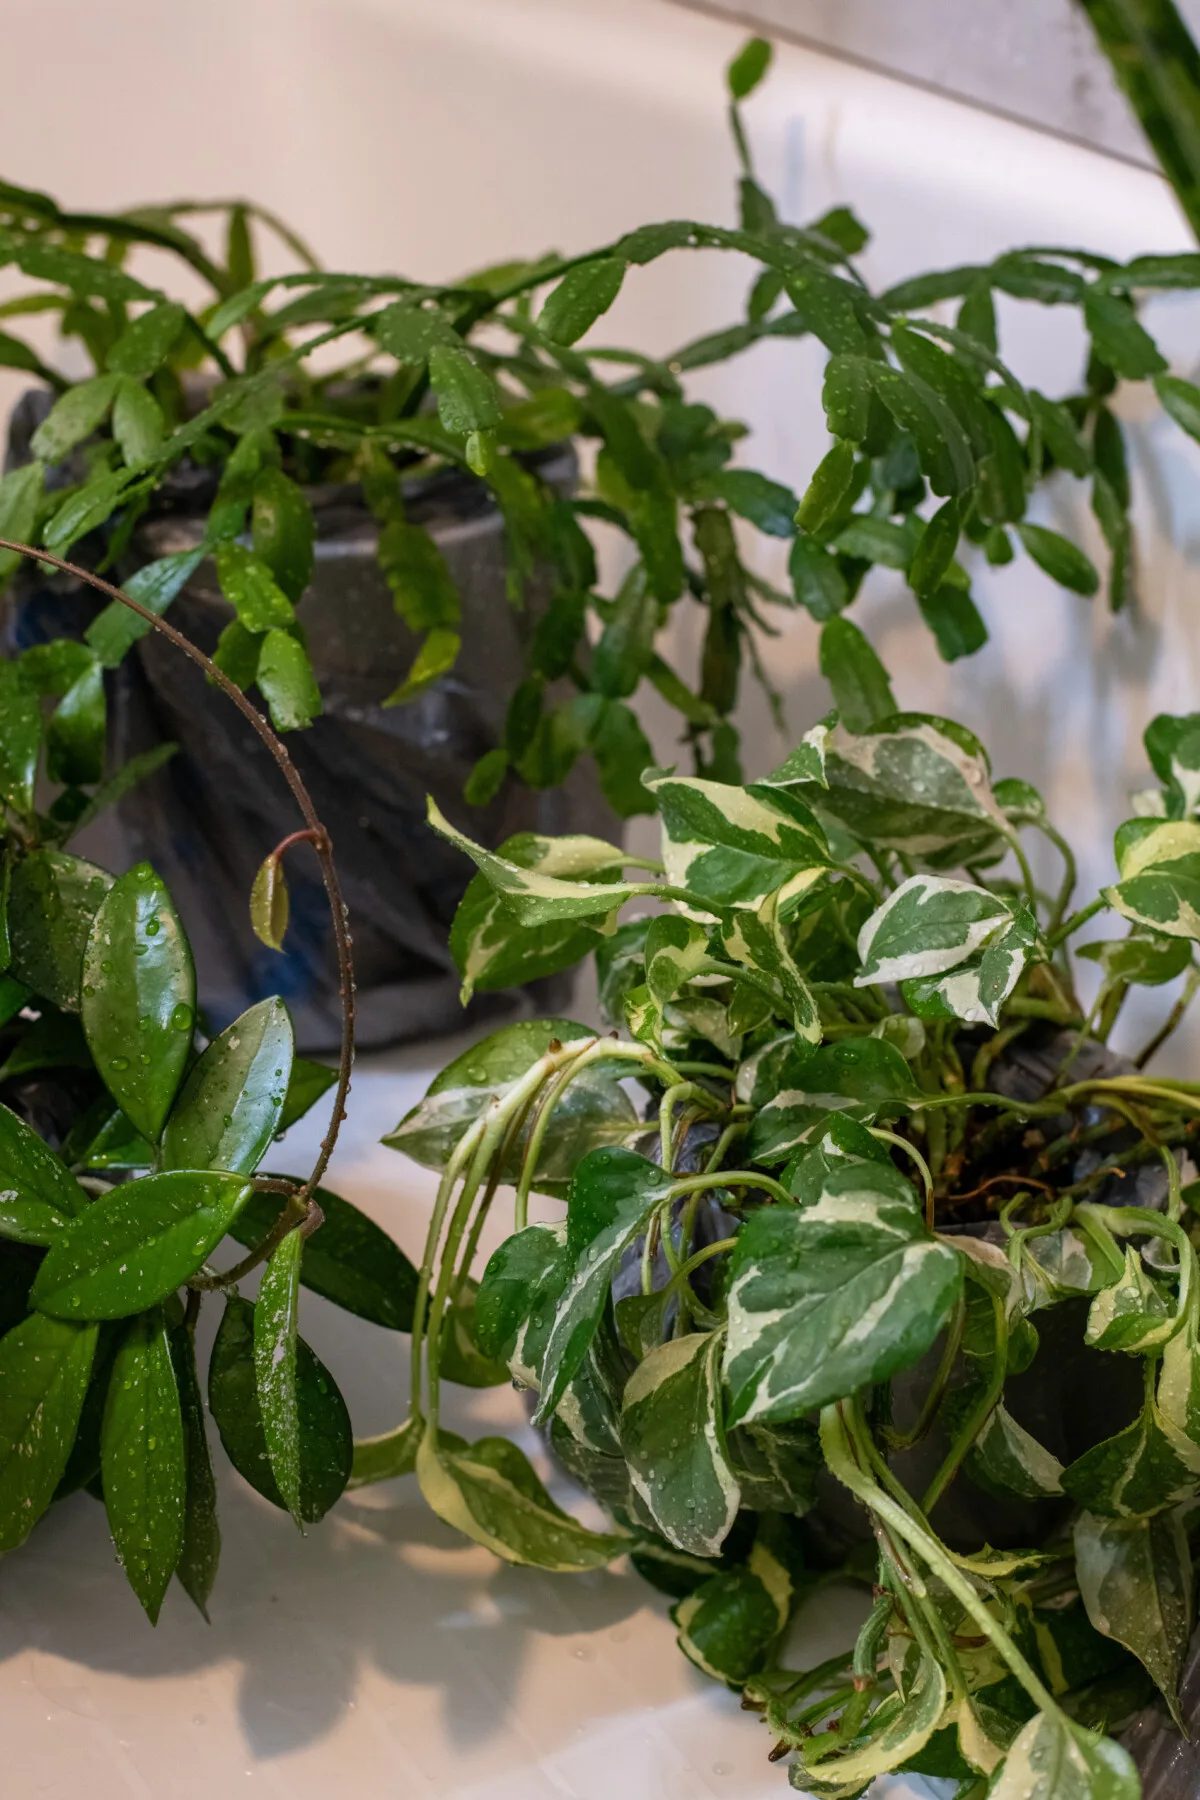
x=674, y=1441
x=1131, y=1314
x=861, y=1078
x=833, y=1295
x=900, y=1726
x=1131, y=1475
x=1064, y=1262
x=1007, y=1457
x=1145, y=961
x=1135, y=1576
x=1051, y=1759
x=728, y=1626
x=930, y=924
x=804, y=764
x=1159, y=867
x=736, y=845
x=538, y=897
x=1179, y=1395
x=757, y=940
x=977, y=990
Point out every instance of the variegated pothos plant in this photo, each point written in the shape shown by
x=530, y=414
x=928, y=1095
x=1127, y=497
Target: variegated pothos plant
x=827, y=1234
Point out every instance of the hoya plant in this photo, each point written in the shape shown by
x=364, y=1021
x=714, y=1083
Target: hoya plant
x=804, y=1248
x=277, y=381
x=134, y=1149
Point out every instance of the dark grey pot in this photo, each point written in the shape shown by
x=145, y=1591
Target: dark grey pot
x=210, y=816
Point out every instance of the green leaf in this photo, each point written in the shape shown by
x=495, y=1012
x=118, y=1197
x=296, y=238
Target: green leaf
x=846, y=397
x=415, y=570
x=309, y=1080
x=899, y=1729
x=1130, y=1314
x=276, y=1312
x=391, y=1454
x=1180, y=400
x=1051, y=1759
x=828, y=1298
x=136, y=1244
x=349, y=1260
x=87, y=508
x=143, y=1460
x=934, y=553
x=518, y=1297
x=1006, y=1458
x=232, y=1102
x=139, y=997
x=1137, y=1586
x=584, y=293
x=1159, y=866
x=286, y=680
x=491, y=950
x=1062, y=560
x=51, y=905
x=955, y=622
x=20, y=497
x=827, y=489
x=75, y=415
x=810, y=1090
x=1060, y=435
x=488, y=1491
x=626, y=645
x=1135, y=1473
x=943, y=450
x=146, y=344
x=748, y=67
x=436, y=657
x=466, y=396
x=830, y=307
x=326, y=1442
x=114, y=631
x=975, y=990
x=282, y=533
x=538, y=898
x=76, y=738
x=929, y=924
x=594, y=1110
x=1117, y=337
x=673, y=1439
x=729, y=1625
x=201, y=1549
x=767, y=504
x=269, y=903
x=1145, y=961
x=250, y=587
x=857, y=679
x=613, y=1193
x=759, y=941
x=45, y=1365
x=20, y=738
x=137, y=423
x=733, y=844
x=878, y=540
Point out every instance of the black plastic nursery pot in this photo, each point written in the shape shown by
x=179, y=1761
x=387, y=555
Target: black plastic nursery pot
x=207, y=819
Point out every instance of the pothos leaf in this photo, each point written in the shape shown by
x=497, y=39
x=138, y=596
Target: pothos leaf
x=729, y=1624
x=929, y=924
x=492, y=949
x=536, y=898
x=856, y=1078
x=758, y=941
x=1131, y=1475
x=1130, y=1314
x=976, y=990
x=896, y=1732
x=673, y=1439
x=1051, y=1759
x=1159, y=867
x=1135, y=1576
x=827, y=1298
x=736, y=844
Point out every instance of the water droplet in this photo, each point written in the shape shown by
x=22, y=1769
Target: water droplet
x=722, y=1768
x=106, y=968
x=153, y=927
x=227, y=1118
x=120, y=1062
x=145, y=1058
x=181, y=1017
x=140, y=949
x=88, y=990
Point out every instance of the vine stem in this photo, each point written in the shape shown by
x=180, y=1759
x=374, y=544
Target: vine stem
x=320, y=837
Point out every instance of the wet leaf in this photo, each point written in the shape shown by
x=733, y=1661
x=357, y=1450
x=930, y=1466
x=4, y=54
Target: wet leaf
x=350, y=1260
x=143, y=1460
x=44, y=1369
x=276, y=1312
x=231, y=1104
x=201, y=1550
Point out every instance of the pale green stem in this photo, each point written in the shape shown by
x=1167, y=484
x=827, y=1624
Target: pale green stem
x=910, y=1150
x=464, y=1149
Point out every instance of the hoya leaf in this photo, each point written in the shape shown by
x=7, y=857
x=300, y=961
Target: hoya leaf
x=580, y=298
x=139, y=997
x=490, y=1493
x=735, y=844
x=287, y=683
x=45, y=1365
x=929, y=924
x=32, y=1174
x=276, y=1312
x=231, y=1104
x=1135, y=1576
x=269, y=903
x=536, y=898
x=75, y=739
x=673, y=1438
x=309, y=1080
x=326, y=1442
x=350, y=1260
x=143, y=1460
x=52, y=901
x=389, y=1455
x=827, y=1298
x=20, y=737
x=136, y=1244
x=1159, y=868
x=201, y=1548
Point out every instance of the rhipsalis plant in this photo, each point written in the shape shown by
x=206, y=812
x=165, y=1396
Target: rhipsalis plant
x=883, y=1182
x=938, y=449
x=132, y=1145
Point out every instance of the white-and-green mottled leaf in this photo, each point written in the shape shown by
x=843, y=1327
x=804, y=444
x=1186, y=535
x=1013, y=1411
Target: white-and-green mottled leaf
x=1065, y=1262
x=829, y=1297
x=900, y=1726
x=1179, y=1395
x=538, y=897
x=1159, y=867
x=859, y=1077
x=1131, y=1475
x=975, y=991
x=674, y=949
x=930, y=924
x=804, y=764
x=757, y=940
x=729, y=1624
x=1131, y=1314
x=1051, y=1759
x=735, y=845
x=1135, y=1576
x=1008, y=1457
x=1144, y=961
x=674, y=1441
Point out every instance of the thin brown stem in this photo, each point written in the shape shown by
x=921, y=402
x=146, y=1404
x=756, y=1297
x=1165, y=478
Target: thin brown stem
x=319, y=836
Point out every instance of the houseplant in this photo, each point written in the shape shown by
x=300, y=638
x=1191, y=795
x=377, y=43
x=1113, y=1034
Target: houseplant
x=821, y=1016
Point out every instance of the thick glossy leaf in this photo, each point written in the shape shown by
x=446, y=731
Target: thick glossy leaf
x=536, y=898
x=612, y=1196
x=276, y=1312
x=326, y=1442
x=51, y=904
x=20, y=737
x=1131, y=1475
x=1135, y=1576
x=976, y=990
x=143, y=1461
x=1062, y=560
x=75, y=738
x=45, y=1365
x=594, y=1110
x=348, y=1260
x=673, y=1439
x=1131, y=1314
x=391, y=1454
x=859, y=1078
x=230, y=1106
x=269, y=903
x=827, y=1298
x=489, y=1492
x=287, y=683
x=139, y=997
x=309, y=1080
x=1159, y=867
x=736, y=845
x=748, y=67
x=136, y=1244
x=201, y=1550
x=1051, y=1759
x=31, y=1173
x=857, y=679
x=929, y=924
x=584, y=293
